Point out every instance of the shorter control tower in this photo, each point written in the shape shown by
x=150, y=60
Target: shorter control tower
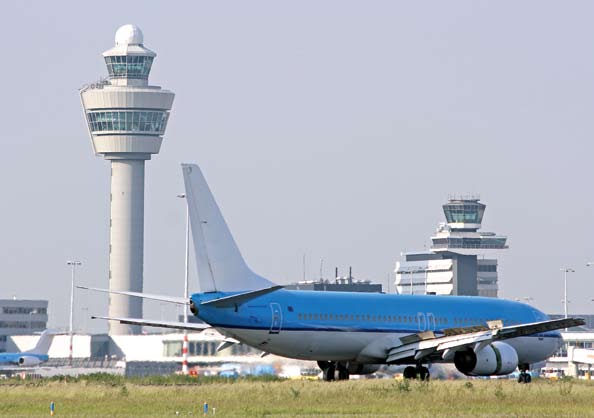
x=126, y=118
x=460, y=234
x=457, y=262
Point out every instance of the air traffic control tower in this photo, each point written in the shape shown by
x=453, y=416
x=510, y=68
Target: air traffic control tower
x=126, y=118
x=456, y=263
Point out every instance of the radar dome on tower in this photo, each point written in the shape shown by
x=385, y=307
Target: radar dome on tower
x=129, y=35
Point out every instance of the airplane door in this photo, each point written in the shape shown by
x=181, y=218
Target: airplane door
x=430, y=322
x=277, y=318
x=422, y=321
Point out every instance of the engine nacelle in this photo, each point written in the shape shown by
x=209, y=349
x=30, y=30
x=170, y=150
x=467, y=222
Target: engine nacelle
x=193, y=308
x=360, y=368
x=28, y=361
x=497, y=358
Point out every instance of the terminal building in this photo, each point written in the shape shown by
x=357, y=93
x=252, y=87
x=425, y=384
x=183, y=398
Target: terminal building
x=21, y=317
x=457, y=262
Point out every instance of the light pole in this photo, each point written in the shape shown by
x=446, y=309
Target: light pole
x=33, y=312
x=185, y=342
x=72, y=264
x=426, y=273
x=410, y=271
x=566, y=270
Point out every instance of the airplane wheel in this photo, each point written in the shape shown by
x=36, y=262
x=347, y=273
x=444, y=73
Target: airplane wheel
x=329, y=373
x=343, y=371
x=424, y=374
x=328, y=369
x=410, y=372
x=527, y=378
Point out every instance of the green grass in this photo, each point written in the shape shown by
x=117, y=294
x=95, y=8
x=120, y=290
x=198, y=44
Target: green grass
x=120, y=397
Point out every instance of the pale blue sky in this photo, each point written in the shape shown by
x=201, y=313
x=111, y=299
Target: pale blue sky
x=331, y=128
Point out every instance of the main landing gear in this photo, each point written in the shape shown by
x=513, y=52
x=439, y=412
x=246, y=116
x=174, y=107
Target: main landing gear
x=329, y=369
x=421, y=372
x=524, y=375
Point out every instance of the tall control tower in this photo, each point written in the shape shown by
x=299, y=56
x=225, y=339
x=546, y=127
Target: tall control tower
x=126, y=119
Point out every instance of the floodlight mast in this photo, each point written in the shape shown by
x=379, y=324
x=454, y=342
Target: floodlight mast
x=126, y=118
x=73, y=265
x=186, y=296
x=565, y=270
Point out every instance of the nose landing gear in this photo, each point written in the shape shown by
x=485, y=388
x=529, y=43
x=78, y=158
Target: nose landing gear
x=524, y=374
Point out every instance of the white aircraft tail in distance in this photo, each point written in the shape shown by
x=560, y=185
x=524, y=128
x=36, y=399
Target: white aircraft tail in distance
x=349, y=332
x=32, y=357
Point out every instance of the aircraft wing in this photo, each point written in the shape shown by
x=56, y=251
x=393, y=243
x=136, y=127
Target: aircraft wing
x=160, y=324
x=162, y=298
x=428, y=346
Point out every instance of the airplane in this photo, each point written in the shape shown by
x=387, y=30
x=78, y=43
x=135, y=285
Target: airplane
x=32, y=357
x=349, y=332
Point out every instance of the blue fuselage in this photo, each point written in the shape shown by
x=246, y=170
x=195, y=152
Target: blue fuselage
x=318, y=325
x=13, y=358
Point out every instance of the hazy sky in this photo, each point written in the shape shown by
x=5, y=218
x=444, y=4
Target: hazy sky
x=331, y=128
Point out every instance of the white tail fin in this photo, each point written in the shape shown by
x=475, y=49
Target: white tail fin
x=43, y=344
x=220, y=264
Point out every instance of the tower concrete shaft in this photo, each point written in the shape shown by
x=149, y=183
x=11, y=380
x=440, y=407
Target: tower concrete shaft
x=127, y=118
x=126, y=241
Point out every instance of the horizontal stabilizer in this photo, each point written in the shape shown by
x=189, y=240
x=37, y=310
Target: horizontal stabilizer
x=235, y=300
x=226, y=343
x=162, y=298
x=159, y=324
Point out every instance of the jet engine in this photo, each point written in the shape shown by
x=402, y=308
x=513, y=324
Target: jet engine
x=497, y=358
x=28, y=361
x=193, y=307
x=360, y=368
